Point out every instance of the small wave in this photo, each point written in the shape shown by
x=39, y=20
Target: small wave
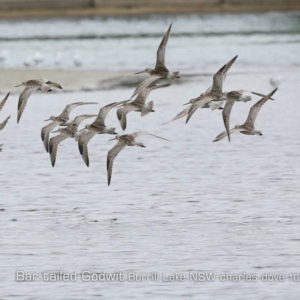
x=146, y=36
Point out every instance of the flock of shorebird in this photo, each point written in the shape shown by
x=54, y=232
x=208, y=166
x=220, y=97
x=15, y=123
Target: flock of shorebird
x=212, y=98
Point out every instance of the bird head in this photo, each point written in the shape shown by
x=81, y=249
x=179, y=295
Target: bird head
x=52, y=118
x=147, y=70
x=115, y=138
x=23, y=83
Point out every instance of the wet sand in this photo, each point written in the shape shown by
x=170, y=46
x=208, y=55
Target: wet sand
x=70, y=80
x=130, y=10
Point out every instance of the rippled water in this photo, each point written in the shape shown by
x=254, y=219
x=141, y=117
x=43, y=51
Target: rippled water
x=196, y=40
x=190, y=206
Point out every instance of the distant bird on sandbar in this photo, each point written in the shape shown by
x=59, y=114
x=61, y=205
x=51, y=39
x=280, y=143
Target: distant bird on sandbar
x=248, y=127
x=3, y=57
x=30, y=87
x=38, y=58
x=77, y=60
x=28, y=62
x=97, y=127
x=61, y=120
x=58, y=58
x=160, y=70
x=123, y=141
x=70, y=131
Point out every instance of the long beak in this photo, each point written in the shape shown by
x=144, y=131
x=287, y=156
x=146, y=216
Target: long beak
x=19, y=85
x=55, y=131
x=261, y=95
x=81, y=129
x=140, y=72
x=47, y=120
x=113, y=139
x=186, y=103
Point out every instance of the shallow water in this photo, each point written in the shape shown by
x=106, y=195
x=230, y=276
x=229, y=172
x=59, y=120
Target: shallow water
x=187, y=207
x=197, y=41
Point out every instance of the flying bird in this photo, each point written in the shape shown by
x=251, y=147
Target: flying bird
x=248, y=127
x=139, y=104
x=123, y=141
x=30, y=87
x=61, y=120
x=215, y=94
x=97, y=127
x=70, y=131
x=231, y=98
x=160, y=70
x=212, y=103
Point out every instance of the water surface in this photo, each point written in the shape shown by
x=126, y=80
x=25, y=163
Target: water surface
x=188, y=207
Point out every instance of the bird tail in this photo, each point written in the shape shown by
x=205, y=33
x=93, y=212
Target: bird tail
x=245, y=98
x=215, y=105
x=148, y=108
x=45, y=88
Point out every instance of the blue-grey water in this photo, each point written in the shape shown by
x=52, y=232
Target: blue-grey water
x=196, y=40
x=183, y=208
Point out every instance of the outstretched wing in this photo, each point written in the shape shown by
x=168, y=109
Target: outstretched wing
x=121, y=114
x=53, y=144
x=226, y=115
x=139, y=133
x=71, y=106
x=2, y=103
x=82, y=145
x=228, y=66
x=142, y=96
x=161, y=51
x=78, y=119
x=224, y=73
x=45, y=133
x=261, y=95
x=198, y=104
x=100, y=120
x=255, y=110
x=111, y=155
x=224, y=133
x=182, y=114
x=23, y=100
x=218, y=81
x=3, y=124
x=144, y=84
